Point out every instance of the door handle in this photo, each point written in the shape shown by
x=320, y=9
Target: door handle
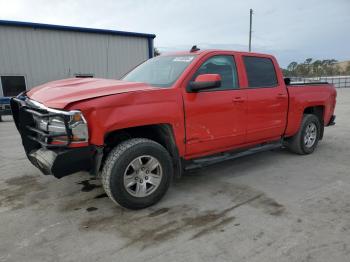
x=238, y=99
x=281, y=96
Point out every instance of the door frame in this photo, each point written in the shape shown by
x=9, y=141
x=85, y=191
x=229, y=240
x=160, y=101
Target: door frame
x=280, y=86
x=188, y=78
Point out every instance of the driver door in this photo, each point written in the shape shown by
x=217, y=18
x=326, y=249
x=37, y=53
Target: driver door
x=215, y=119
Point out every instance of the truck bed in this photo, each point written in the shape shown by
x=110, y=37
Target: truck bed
x=312, y=94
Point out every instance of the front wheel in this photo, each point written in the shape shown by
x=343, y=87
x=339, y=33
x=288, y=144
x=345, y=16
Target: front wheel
x=306, y=140
x=137, y=173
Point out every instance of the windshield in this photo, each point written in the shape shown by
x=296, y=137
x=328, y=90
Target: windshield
x=161, y=71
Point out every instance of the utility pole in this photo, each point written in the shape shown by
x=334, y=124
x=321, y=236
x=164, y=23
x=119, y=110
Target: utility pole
x=250, y=29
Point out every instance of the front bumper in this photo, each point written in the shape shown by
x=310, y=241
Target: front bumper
x=58, y=160
x=63, y=162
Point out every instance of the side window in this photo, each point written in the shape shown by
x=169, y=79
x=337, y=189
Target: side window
x=225, y=66
x=260, y=72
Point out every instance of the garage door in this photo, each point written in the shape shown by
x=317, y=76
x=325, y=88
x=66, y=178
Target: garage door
x=13, y=85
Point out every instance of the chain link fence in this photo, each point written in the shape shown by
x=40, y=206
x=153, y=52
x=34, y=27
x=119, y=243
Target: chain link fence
x=337, y=81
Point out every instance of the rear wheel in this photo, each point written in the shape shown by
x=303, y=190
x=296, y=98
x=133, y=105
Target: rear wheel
x=306, y=140
x=137, y=173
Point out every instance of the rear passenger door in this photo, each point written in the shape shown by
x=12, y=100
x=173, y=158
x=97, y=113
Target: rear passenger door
x=267, y=100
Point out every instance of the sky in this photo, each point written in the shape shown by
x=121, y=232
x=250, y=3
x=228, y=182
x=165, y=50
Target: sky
x=291, y=30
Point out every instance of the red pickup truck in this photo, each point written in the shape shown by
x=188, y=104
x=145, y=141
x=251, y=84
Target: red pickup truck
x=171, y=113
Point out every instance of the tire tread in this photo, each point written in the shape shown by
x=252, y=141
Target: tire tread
x=294, y=143
x=113, y=157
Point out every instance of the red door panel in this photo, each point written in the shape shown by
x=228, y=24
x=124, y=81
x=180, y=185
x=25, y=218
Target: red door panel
x=267, y=98
x=214, y=121
x=266, y=113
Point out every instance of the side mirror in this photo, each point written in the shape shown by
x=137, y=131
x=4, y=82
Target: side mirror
x=204, y=82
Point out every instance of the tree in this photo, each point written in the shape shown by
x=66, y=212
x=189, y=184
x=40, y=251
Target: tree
x=329, y=67
x=347, y=69
x=303, y=69
x=317, y=69
x=312, y=68
x=290, y=71
x=308, y=61
x=286, y=72
x=292, y=66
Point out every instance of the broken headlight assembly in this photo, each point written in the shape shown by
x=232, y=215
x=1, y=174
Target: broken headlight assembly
x=64, y=127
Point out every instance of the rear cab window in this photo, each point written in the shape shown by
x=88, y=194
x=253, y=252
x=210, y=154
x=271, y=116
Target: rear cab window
x=260, y=72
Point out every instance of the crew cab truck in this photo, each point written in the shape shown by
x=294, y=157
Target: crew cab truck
x=171, y=113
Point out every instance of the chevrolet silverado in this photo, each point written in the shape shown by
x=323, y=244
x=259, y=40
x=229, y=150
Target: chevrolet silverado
x=173, y=112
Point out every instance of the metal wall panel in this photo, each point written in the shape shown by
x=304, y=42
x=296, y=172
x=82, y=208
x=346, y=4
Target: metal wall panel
x=44, y=55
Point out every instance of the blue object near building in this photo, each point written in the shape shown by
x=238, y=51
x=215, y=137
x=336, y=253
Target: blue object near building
x=5, y=107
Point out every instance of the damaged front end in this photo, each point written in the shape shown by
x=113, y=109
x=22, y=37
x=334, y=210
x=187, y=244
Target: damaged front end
x=55, y=141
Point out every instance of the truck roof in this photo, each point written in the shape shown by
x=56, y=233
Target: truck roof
x=207, y=51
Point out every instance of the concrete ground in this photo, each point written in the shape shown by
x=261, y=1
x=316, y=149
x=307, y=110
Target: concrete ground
x=273, y=206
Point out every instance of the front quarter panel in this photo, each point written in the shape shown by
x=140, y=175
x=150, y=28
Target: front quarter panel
x=132, y=109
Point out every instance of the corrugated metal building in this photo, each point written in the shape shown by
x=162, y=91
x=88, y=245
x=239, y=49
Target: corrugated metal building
x=32, y=54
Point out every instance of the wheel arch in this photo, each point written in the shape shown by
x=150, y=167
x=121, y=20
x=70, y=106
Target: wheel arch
x=318, y=111
x=160, y=133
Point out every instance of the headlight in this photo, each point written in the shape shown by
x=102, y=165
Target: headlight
x=55, y=125
x=78, y=126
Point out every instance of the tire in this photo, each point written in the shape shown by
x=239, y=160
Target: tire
x=297, y=143
x=123, y=165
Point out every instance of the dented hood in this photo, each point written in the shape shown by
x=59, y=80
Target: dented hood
x=58, y=94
